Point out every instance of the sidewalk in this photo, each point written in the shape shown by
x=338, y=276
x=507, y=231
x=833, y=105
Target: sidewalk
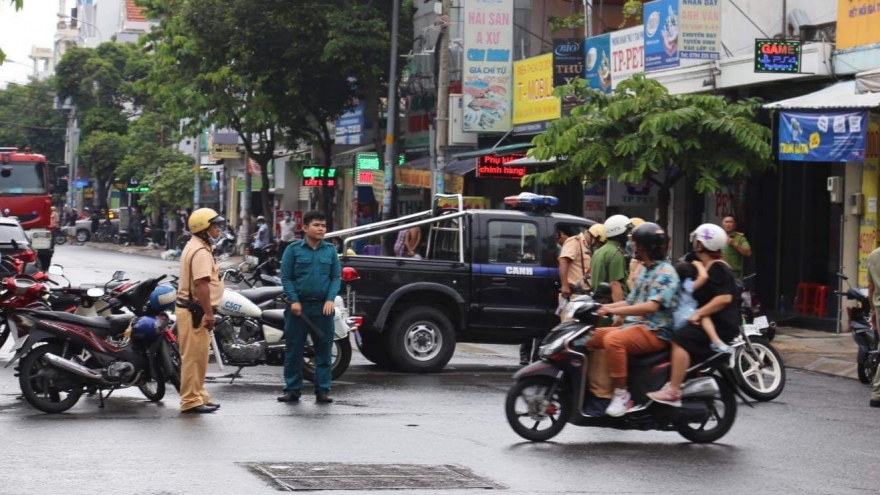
x=145, y=251
x=822, y=352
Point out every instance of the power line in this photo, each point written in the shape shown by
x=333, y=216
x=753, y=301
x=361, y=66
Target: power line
x=34, y=126
x=753, y=22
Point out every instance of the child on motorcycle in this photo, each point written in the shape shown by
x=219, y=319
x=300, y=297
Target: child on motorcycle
x=693, y=276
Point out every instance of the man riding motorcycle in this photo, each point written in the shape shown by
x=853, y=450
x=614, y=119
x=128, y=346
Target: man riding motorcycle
x=647, y=310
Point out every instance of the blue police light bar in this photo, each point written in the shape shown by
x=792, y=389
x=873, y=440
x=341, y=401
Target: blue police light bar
x=526, y=199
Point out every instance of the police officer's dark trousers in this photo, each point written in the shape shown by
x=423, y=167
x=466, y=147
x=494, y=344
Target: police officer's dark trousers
x=295, y=331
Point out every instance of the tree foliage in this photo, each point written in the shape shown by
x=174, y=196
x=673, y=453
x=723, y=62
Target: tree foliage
x=641, y=132
x=28, y=119
x=103, y=152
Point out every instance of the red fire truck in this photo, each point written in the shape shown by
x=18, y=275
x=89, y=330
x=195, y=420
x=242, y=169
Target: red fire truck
x=26, y=194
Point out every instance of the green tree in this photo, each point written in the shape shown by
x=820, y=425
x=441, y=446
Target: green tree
x=171, y=185
x=101, y=153
x=28, y=119
x=641, y=132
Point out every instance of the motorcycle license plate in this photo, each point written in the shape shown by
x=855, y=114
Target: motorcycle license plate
x=751, y=329
x=253, y=260
x=761, y=322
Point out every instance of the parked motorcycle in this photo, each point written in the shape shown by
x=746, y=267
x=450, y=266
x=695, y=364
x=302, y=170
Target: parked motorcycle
x=548, y=394
x=750, y=309
x=251, y=335
x=225, y=245
x=264, y=274
x=863, y=331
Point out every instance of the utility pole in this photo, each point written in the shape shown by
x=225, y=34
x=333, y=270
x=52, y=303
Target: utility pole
x=197, y=152
x=391, y=108
x=588, y=18
x=246, y=197
x=441, y=123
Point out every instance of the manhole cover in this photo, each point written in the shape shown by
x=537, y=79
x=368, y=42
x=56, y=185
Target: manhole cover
x=311, y=476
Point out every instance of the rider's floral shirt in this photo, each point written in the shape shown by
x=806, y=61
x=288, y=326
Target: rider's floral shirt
x=660, y=284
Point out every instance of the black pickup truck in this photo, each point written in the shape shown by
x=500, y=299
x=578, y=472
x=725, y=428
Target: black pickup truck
x=486, y=276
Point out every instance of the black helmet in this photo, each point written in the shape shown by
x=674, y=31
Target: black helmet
x=651, y=239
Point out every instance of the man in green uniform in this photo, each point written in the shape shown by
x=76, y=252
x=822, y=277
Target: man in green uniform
x=310, y=274
x=737, y=249
x=609, y=262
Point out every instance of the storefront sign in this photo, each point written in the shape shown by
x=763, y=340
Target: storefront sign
x=777, y=56
x=495, y=167
x=857, y=22
x=454, y=184
x=225, y=151
x=700, y=30
x=835, y=136
x=870, y=192
x=661, y=34
x=314, y=177
x=487, y=73
x=470, y=203
x=598, y=68
x=418, y=123
x=412, y=177
x=627, y=54
x=379, y=186
x=366, y=164
x=350, y=126
x=533, y=92
x=631, y=194
x=568, y=60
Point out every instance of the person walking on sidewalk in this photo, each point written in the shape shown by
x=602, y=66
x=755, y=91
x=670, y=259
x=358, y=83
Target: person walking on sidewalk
x=198, y=296
x=310, y=275
x=873, y=265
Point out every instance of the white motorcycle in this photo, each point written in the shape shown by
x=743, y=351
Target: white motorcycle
x=247, y=334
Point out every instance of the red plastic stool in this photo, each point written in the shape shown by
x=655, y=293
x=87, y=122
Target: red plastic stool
x=806, y=294
x=820, y=300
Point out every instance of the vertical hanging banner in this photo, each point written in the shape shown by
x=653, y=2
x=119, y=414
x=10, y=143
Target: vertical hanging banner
x=661, y=34
x=700, y=30
x=598, y=62
x=488, y=71
x=627, y=54
x=568, y=60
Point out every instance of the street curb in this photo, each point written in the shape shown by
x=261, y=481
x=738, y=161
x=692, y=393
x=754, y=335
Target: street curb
x=824, y=365
x=138, y=250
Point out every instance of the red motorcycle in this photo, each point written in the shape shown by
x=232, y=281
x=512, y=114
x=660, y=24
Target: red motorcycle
x=20, y=292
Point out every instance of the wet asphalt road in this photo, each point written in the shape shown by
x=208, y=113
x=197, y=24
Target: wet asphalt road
x=818, y=437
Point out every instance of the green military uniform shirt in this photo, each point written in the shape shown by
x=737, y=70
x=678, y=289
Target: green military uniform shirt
x=608, y=265
x=733, y=257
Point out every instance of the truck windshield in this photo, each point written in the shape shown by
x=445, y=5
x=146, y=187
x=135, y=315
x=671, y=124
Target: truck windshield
x=23, y=178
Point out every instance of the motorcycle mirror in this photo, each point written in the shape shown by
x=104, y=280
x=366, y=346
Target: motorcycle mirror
x=118, y=276
x=95, y=292
x=843, y=276
x=55, y=270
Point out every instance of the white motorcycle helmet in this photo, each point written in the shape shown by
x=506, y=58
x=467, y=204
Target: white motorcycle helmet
x=711, y=236
x=616, y=225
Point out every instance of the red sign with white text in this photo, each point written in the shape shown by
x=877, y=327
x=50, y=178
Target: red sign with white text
x=496, y=167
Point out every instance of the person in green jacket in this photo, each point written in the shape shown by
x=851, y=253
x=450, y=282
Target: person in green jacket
x=609, y=262
x=737, y=249
x=311, y=277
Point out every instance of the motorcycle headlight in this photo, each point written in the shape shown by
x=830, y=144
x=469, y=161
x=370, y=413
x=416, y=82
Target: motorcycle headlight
x=552, y=348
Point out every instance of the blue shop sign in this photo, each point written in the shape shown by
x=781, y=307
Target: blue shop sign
x=816, y=136
x=661, y=34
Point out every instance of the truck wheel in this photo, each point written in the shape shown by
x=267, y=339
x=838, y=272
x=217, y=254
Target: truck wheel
x=374, y=349
x=421, y=340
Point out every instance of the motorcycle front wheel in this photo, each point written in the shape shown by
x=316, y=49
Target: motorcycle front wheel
x=340, y=359
x=722, y=413
x=154, y=390
x=759, y=374
x=536, y=408
x=44, y=386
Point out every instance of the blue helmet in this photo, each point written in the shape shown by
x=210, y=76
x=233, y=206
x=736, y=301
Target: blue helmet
x=145, y=328
x=163, y=298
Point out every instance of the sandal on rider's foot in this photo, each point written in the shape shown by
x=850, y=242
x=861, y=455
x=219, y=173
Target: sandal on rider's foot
x=719, y=346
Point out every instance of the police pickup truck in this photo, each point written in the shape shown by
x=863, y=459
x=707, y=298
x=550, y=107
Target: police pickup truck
x=486, y=276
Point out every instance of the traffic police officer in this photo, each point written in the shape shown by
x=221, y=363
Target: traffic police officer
x=310, y=274
x=198, y=296
x=738, y=247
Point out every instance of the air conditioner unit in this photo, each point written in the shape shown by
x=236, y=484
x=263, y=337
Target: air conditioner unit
x=819, y=32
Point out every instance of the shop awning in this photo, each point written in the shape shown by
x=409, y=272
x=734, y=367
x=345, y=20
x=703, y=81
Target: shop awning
x=493, y=150
x=453, y=167
x=868, y=81
x=532, y=161
x=840, y=95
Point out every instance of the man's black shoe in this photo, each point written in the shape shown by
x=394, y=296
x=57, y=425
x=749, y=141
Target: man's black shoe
x=875, y=403
x=288, y=397
x=201, y=409
x=213, y=404
x=323, y=398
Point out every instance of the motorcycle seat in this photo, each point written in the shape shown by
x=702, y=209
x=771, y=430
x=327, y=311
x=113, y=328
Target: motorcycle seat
x=274, y=317
x=648, y=360
x=262, y=294
x=104, y=326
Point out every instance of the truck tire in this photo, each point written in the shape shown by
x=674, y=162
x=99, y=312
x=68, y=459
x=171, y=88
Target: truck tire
x=374, y=349
x=421, y=340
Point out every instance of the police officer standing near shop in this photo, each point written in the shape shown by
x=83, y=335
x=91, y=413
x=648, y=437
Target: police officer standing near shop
x=198, y=296
x=310, y=274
